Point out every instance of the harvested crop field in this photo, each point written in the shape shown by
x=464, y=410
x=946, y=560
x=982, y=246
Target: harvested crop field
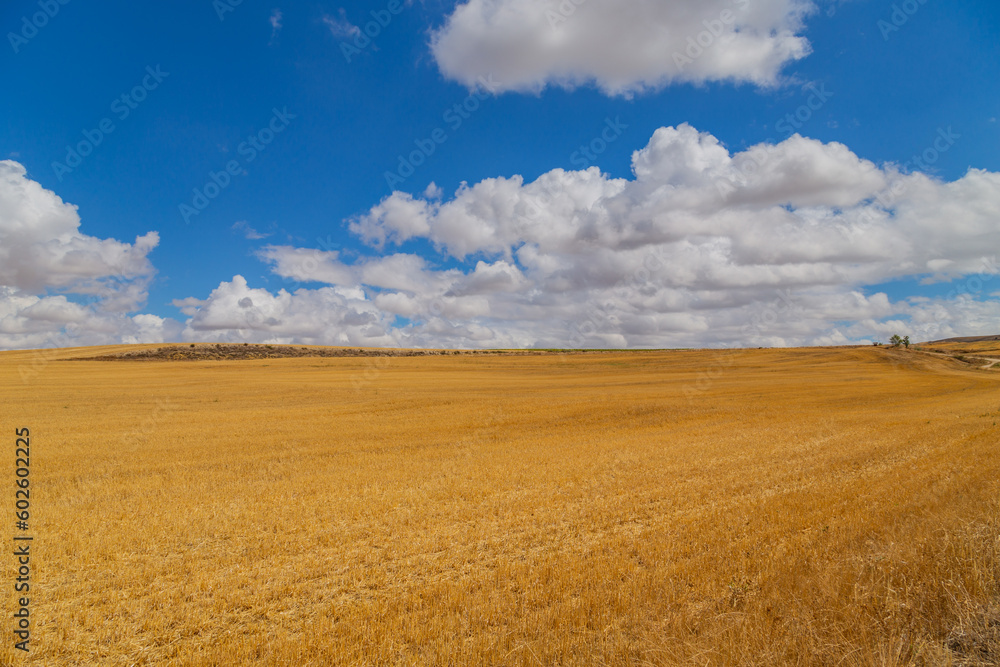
x=821, y=506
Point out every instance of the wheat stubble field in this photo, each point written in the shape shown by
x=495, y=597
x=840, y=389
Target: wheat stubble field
x=758, y=507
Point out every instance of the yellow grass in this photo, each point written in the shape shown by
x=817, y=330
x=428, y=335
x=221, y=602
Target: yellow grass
x=974, y=347
x=762, y=507
x=985, y=350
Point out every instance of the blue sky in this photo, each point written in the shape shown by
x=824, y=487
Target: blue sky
x=366, y=262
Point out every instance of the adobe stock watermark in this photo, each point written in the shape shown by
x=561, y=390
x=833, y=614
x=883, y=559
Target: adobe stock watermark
x=530, y=206
x=41, y=358
x=901, y=14
x=562, y=12
x=454, y=116
x=698, y=44
x=112, y=285
x=140, y=435
x=372, y=372
x=587, y=155
x=30, y=25
x=253, y=146
x=788, y=125
x=946, y=138
x=595, y=319
x=970, y=287
x=306, y=266
x=888, y=197
x=764, y=317
x=974, y=285
x=223, y=7
x=364, y=36
x=793, y=122
x=122, y=107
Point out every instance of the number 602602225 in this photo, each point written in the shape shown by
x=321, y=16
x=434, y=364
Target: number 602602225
x=23, y=502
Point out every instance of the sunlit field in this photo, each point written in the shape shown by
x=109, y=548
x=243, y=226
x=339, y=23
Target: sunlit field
x=757, y=507
x=981, y=353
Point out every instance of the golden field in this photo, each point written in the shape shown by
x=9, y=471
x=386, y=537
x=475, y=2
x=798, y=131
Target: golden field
x=988, y=351
x=756, y=507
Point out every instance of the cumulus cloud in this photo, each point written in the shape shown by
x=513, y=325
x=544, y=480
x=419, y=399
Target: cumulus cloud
x=328, y=316
x=44, y=257
x=29, y=321
x=700, y=246
x=621, y=46
x=773, y=245
x=433, y=191
x=42, y=248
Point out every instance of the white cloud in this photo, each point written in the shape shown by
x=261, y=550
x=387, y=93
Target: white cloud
x=44, y=257
x=340, y=27
x=306, y=264
x=42, y=248
x=243, y=227
x=772, y=245
x=622, y=46
x=433, y=191
x=28, y=321
x=275, y=21
x=327, y=316
x=397, y=218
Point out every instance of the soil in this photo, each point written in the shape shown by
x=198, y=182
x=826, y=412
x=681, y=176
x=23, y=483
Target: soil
x=228, y=352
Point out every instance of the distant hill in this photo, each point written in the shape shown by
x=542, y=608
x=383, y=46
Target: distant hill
x=966, y=339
